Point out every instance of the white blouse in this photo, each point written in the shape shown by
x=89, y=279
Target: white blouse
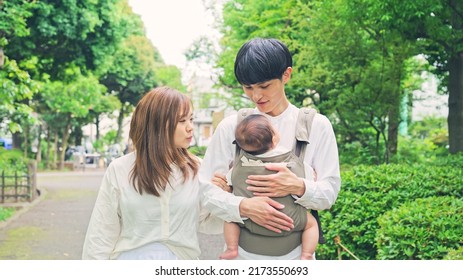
x=123, y=220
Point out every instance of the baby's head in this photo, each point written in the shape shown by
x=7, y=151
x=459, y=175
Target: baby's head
x=256, y=135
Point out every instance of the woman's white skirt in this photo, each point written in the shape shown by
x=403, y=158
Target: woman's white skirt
x=151, y=251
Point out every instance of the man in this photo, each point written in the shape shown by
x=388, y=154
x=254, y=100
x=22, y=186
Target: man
x=263, y=67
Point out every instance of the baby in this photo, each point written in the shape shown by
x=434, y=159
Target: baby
x=257, y=139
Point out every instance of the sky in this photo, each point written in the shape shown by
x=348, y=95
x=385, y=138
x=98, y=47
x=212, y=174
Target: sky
x=173, y=25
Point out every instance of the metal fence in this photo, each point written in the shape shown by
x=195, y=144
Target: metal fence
x=19, y=186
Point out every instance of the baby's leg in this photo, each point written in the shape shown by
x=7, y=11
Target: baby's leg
x=231, y=232
x=309, y=238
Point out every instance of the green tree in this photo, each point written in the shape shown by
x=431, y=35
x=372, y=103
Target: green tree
x=132, y=74
x=17, y=86
x=70, y=100
x=16, y=92
x=348, y=66
x=59, y=35
x=63, y=33
x=356, y=70
x=437, y=28
x=169, y=75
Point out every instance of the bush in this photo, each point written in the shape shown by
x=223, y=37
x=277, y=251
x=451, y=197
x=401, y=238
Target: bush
x=455, y=254
x=368, y=192
x=423, y=229
x=426, y=139
x=11, y=161
x=354, y=154
x=412, y=150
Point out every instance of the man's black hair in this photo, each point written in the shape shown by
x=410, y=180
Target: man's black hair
x=260, y=60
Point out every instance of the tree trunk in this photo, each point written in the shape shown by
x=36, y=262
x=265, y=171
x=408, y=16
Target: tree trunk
x=47, y=155
x=78, y=134
x=394, y=114
x=55, y=144
x=17, y=140
x=120, y=120
x=2, y=55
x=455, y=118
x=392, y=132
x=26, y=140
x=97, y=125
x=64, y=143
x=38, y=156
x=393, y=123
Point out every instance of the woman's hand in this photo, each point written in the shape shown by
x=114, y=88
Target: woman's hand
x=221, y=181
x=263, y=211
x=280, y=184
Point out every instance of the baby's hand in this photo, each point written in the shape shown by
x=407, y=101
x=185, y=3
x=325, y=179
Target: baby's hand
x=220, y=181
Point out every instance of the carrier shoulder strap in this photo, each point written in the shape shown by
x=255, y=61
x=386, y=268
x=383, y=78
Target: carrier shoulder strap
x=303, y=128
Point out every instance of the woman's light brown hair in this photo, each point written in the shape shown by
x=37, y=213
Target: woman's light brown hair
x=152, y=131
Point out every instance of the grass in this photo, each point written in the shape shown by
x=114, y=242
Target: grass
x=5, y=213
x=13, y=247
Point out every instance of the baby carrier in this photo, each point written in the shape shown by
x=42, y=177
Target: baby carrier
x=253, y=237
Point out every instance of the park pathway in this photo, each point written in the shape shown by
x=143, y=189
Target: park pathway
x=53, y=227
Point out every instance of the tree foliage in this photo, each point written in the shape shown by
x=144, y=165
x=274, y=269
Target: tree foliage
x=436, y=27
x=17, y=87
x=131, y=74
x=70, y=100
x=61, y=33
x=350, y=58
x=70, y=62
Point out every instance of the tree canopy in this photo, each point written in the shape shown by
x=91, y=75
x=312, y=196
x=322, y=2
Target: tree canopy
x=65, y=63
x=357, y=61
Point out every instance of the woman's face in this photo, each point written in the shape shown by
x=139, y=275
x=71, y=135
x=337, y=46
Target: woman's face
x=184, y=131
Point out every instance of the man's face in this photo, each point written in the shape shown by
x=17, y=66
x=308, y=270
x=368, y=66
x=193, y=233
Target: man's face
x=269, y=96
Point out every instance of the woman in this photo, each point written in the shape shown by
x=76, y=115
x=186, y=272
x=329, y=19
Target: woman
x=151, y=203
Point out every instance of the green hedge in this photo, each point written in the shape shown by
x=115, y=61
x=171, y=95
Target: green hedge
x=369, y=192
x=12, y=161
x=423, y=229
x=455, y=254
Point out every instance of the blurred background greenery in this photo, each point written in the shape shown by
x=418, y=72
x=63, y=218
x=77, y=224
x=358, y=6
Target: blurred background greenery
x=68, y=64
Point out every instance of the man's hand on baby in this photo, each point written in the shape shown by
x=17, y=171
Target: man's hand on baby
x=280, y=184
x=263, y=211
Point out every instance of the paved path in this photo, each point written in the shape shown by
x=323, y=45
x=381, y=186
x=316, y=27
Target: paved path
x=53, y=227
